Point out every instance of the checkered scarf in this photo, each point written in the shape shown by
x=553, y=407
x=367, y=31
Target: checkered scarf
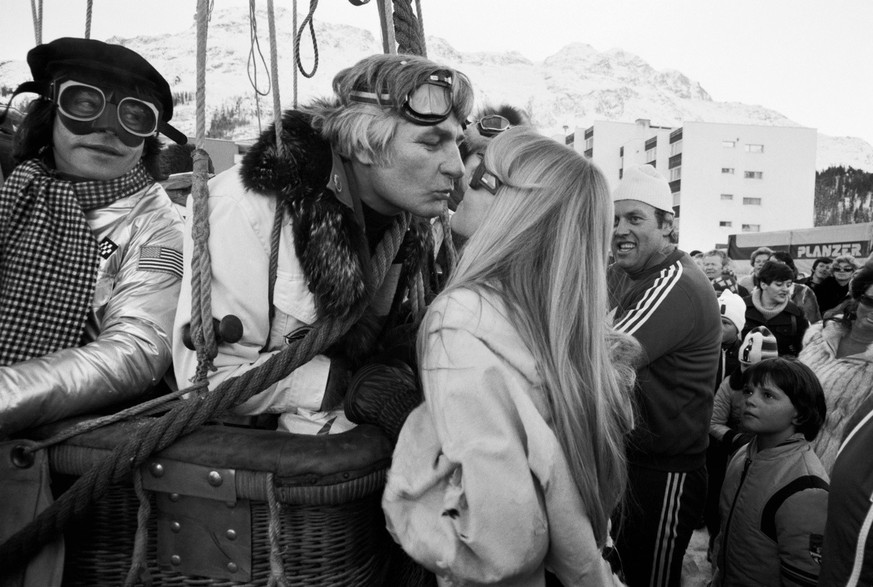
x=49, y=257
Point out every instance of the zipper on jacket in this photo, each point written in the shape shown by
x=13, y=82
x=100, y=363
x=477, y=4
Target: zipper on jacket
x=727, y=525
x=858, y=562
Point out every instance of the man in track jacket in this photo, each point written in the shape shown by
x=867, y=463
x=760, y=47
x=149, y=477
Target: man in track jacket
x=660, y=297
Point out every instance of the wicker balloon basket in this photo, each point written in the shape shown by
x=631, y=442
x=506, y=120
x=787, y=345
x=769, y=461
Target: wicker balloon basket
x=214, y=499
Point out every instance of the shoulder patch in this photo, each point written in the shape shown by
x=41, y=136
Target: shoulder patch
x=106, y=247
x=160, y=260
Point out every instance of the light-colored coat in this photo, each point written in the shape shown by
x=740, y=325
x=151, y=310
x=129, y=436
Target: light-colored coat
x=479, y=490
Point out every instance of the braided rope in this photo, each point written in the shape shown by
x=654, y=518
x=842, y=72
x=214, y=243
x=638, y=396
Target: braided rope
x=186, y=416
x=36, y=12
x=313, y=4
x=406, y=29
x=274, y=76
x=139, y=572
x=277, y=566
x=252, y=64
x=202, y=331
x=294, y=49
x=88, y=10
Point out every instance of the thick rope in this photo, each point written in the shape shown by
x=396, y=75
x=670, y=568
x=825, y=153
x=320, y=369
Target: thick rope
x=274, y=76
x=409, y=35
x=277, y=565
x=202, y=331
x=139, y=572
x=36, y=12
x=88, y=10
x=421, y=28
x=294, y=49
x=187, y=416
x=313, y=4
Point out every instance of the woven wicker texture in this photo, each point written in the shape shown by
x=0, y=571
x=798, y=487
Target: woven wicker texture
x=331, y=545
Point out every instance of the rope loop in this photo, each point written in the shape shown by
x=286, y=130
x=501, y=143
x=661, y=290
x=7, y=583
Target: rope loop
x=313, y=4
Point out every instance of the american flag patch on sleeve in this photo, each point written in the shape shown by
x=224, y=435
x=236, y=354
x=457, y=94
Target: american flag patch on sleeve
x=160, y=259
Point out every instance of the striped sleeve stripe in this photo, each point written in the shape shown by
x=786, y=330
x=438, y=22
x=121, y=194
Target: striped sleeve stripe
x=653, y=297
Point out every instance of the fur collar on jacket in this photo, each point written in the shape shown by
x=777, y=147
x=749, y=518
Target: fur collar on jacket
x=326, y=235
x=327, y=238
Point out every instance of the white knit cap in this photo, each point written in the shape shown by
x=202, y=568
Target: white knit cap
x=733, y=308
x=644, y=184
x=758, y=345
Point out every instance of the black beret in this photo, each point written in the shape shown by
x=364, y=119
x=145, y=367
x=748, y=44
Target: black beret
x=115, y=62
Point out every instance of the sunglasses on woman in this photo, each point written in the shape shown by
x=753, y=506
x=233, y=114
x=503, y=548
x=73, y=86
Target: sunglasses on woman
x=429, y=104
x=843, y=269
x=86, y=103
x=484, y=179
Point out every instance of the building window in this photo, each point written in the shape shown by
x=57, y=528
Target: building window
x=751, y=228
x=751, y=201
x=725, y=223
x=728, y=144
x=753, y=174
x=589, y=143
x=754, y=148
x=651, y=154
x=727, y=197
x=676, y=148
x=727, y=170
x=676, y=173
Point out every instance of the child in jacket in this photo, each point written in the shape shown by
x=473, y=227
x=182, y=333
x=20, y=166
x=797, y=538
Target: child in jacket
x=774, y=498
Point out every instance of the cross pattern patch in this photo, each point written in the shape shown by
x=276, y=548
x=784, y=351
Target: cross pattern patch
x=160, y=260
x=106, y=247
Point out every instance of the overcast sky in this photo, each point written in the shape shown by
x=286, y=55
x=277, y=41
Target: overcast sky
x=808, y=59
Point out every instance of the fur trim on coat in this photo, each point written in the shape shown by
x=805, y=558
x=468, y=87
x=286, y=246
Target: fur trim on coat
x=326, y=236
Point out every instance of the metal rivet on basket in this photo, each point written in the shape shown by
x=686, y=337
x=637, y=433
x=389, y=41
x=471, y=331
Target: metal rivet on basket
x=215, y=478
x=157, y=469
x=174, y=497
x=231, y=534
x=176, y=560
x=231, y=566
x=176, y=527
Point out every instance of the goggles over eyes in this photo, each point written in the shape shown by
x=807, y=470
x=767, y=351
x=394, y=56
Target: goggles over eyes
x=484, y=179
x=429, y=104
x=85, y=103
x=492, y=125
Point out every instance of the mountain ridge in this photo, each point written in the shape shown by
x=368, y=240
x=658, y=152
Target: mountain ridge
x=574, y=87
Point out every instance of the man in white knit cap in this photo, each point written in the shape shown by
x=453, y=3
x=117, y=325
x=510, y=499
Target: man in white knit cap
x=660, y=297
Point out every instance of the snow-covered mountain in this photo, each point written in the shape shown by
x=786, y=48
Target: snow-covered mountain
x=572, y=88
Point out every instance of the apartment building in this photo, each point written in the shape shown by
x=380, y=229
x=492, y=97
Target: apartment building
x=725, y=178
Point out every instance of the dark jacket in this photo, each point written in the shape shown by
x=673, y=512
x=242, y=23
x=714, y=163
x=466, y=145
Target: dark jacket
x=788, y=326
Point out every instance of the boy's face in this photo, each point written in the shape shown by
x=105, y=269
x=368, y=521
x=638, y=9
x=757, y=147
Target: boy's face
x=768, y=413
x=421, y=175
x=729, y=332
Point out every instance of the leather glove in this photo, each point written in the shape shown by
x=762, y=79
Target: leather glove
x=383, y=394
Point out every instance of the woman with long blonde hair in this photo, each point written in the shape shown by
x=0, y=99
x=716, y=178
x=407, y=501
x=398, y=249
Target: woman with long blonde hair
x=515, y=462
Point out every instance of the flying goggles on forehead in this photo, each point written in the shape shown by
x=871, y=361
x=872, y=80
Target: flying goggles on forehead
x=429, y=104
x=484, y=179
x=86, y=103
